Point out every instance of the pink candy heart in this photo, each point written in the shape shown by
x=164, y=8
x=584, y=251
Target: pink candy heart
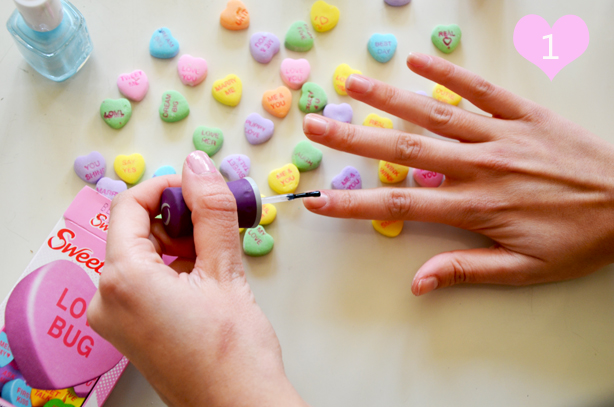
x=295, y=72
x=551, y=49
x=426, y=178
x=192, y=70
x=46, y=325
x=133, y=85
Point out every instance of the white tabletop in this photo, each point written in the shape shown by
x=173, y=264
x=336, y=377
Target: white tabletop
x=351, y=331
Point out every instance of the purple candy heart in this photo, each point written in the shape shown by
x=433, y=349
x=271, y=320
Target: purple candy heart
x=348, y=179
x=264, y=46
x=258, y=129
x=235, y=167
x=341, y=113
x=397, y=3
x=423, y=93
x=109, y=187
x=9, y=373
x=90, y=168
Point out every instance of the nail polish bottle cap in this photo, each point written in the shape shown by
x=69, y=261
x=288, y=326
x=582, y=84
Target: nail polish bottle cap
x=41, y=15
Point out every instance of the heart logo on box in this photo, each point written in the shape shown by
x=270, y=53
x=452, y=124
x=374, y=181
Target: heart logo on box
x=47, y=327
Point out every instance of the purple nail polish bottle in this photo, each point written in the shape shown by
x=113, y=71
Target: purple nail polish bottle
x=177, y=218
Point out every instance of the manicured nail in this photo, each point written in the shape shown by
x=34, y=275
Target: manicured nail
x=315, y=124
x=418, y=60
x=200, y=163
x=427, y=285
x=357, y=84
x=317, y=203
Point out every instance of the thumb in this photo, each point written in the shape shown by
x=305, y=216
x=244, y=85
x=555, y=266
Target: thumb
x=214, y=216
x=495, y=265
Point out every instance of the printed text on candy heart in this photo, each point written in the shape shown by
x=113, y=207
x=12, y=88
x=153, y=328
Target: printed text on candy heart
x=208, y=137
x=84, y=255
x=239, y=166
x=241, y=15
x=167, y=105
x=4, y=349
x=349, y=178
x=263, y=44
x=429, y=174
x=255, y=130
x=257, y=235
x=95, y=169
x=133, y=79
x=23, y=397
x=113, y=113
x=226, y=84
x=164, y=36
x=277, y=100
x=311, y=99
x=128, y=166
x=76, y=309
x=284, y=177
x=304, y=159
x=341, y=82
x=389, y=172
x=321, y=21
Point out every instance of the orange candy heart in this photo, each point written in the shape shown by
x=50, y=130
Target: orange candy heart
x=235, y=16
x=277, y=101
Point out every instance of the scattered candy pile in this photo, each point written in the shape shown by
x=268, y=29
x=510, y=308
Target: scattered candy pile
x=277, y=102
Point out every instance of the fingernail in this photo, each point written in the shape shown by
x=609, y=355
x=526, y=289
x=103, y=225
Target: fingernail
x=427, y=285
x=317, y=203
x=358, y=84
x=418, y=60
x=200, y=163
x=315, y=124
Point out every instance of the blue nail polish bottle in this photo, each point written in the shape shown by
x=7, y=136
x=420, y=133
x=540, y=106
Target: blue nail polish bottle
x=52, y=36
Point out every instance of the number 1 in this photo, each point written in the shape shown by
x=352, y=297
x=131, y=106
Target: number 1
x=549, y=37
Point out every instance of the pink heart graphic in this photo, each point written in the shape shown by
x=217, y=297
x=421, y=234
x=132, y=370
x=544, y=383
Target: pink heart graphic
x=551, y=49
x=47, y=328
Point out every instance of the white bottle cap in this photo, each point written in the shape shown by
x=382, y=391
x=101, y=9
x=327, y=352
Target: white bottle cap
x=41, y=15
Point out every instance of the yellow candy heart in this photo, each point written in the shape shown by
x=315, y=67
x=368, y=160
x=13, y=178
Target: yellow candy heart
x=241, y=230
x=284, y=180
x=445, y=95
x=228, y=91
x=324, y=17
x=39, y=398
x=269, y=212
x=390, y=173
x=374, y=120
x=390, y=228
x=72, y=399
x=340, y=76
x=130, y=168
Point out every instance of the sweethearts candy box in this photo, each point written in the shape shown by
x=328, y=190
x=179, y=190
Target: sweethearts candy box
x=49, y=355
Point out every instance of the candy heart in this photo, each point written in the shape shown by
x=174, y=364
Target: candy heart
x=133, y=85
x=110, y=187
x=72, y=399
x=116, y=112
x=258, y=129
x=208, y=139
x=6, y=356
x=235, y=166
x=57, y=403
x=341, y=113
x=228, y=91
x=446, y=37
x=164, y=170
x=389, y=228
x=257, y=242
x=324, y=17
x=9, y=373
x=91, y=167
x=298, y=37
x=269, y=213
x=17, y=392
x=235, y=17
x=40, y=398
x=382, y=47
x=340, y=76
x=173, y=107
x=445, y=95
x=426, y=178
x=264, y=46
x=192, y=70
x=390, y=173
x=306, y=157
x=313, y=98
x=348, y=179
x=284, y=180
x=84, y=389
x=163, y=44
x=374, y=120
x=46, y=313
x=277, y=102
x=294, y=72
x=130, y=168
x=397, y=3
x=421, y=92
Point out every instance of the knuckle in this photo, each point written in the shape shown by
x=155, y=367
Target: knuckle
x=440, y=114
x=481, y=88
x=537, y=115
x=349, y=133
x=399, y=204
x=407, y=148
x=347, y=203
x=496, y=160
x=118, y=199
x=391, y=97
x=448, y=71
x=460, y=271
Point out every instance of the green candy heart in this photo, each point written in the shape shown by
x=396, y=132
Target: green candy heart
x=116, y=112
x=446, y=37
x=57, y=403
x=306, y=157
x=208, y=139
x=298, y=37
x=174, y=107
x=257, y=242
x=313, y=98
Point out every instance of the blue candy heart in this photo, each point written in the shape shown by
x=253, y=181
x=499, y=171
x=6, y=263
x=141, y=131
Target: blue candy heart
x=6, y=356
x=165, y=170
x=382, y=47
x=17, y=392
x=163, y=44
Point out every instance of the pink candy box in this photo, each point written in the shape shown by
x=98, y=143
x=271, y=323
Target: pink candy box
x=43, y=322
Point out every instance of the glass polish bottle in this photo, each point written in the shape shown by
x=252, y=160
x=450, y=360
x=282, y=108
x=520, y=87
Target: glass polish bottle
x=52, y=36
